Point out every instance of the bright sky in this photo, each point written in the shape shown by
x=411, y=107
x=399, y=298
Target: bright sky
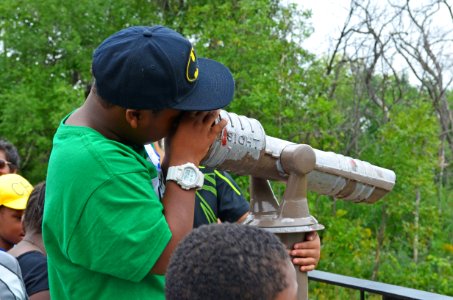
x=327, y=19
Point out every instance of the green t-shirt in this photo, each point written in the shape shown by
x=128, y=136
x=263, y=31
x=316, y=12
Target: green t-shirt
x=103, y=226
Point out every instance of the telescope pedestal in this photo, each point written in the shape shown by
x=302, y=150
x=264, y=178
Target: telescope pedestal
x=302, y=279
x=291, y=219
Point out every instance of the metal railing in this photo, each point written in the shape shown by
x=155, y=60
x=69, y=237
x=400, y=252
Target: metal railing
x=388, y=291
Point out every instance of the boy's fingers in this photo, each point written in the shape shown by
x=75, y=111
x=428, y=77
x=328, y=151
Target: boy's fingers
x=310, y=236
x=307, y=268
x=304, y=253
x=306, y=245
x=304, y=261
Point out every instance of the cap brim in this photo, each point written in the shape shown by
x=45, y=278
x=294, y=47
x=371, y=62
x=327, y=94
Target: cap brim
x=19, y=204
x=214, y=88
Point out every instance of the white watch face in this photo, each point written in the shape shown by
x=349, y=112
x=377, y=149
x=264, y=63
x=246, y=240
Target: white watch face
x=189, y=176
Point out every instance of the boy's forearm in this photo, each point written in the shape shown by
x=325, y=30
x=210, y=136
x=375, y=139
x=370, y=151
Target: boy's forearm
x=179, y=212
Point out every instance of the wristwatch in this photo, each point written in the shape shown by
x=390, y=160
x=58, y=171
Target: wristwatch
x=188, y=176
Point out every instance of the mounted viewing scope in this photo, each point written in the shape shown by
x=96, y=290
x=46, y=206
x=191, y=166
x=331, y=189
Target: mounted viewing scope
x=243, y=148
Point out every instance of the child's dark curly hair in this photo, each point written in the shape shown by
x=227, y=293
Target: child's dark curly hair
x=227, y=261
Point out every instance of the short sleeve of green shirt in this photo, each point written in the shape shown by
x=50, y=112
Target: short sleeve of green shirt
x=122, y=221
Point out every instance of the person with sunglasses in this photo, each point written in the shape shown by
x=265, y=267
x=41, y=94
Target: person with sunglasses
x=9, y=158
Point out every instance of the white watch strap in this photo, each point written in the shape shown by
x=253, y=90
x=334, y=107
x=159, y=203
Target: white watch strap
x=173, y=173
x=200, y=181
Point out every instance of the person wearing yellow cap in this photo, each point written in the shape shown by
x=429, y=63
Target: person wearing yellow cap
x=14, y=192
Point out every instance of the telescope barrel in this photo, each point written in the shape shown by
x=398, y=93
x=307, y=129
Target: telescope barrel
x=348, y=178
x=243, y=148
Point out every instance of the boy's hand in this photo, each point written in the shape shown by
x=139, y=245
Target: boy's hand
x=192, y=138
x=306, y=254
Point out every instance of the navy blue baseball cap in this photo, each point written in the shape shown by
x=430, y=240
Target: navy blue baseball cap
x=156, y=68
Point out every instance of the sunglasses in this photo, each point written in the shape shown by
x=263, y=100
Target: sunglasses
x=4, y=163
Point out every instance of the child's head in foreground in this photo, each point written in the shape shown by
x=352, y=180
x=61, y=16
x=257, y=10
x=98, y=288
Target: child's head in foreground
x=230, y=261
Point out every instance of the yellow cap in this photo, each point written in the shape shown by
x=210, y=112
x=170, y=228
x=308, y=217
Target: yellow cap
x=14, y=191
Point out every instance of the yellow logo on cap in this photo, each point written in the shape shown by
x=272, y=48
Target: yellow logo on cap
x=21, y=188
x=192, y=67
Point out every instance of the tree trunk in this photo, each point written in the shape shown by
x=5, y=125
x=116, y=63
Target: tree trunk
x=440, y=180
x=416, y=223
x=380, y=240
x=446, y=121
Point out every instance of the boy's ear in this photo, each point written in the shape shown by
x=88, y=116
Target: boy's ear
x=133, y=116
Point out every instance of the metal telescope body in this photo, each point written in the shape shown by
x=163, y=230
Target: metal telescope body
x=243, y=148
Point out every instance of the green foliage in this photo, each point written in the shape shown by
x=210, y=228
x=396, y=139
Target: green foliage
x=47, y=52
x=357, y=240
x=407, y=143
